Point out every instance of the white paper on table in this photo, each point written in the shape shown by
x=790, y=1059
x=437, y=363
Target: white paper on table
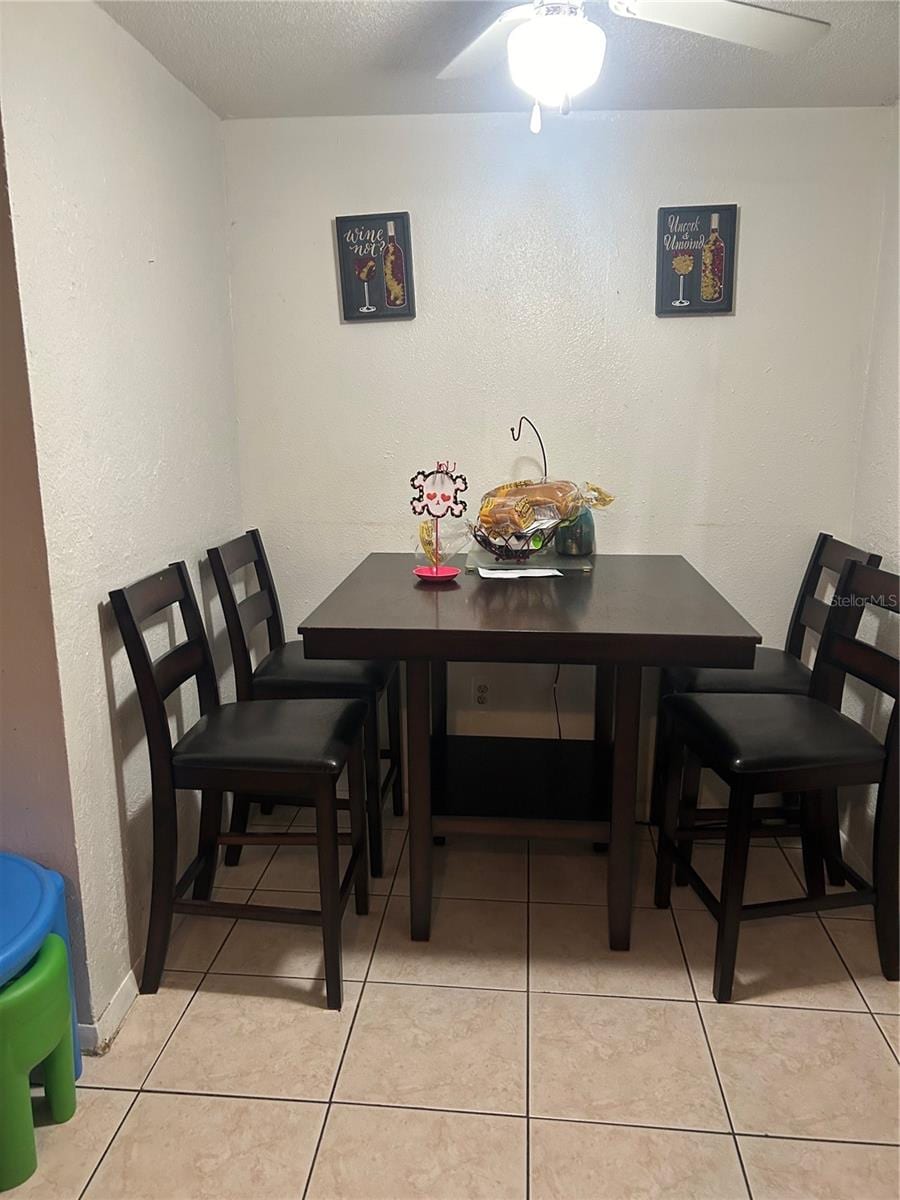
x=525, y=573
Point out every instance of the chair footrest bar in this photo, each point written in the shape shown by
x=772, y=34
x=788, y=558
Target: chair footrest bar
x=717, y=832
x=249, y=912
x=697, y=882
x=854, y=878
x=388, y=782
x=191, y=872
x=349, y=876
x=274, y=839
x=784, y=908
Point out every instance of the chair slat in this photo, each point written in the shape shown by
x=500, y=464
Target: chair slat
x=834, y=554
x=814, y=614
x=862, y=661
x=876, y=586
x=238, y=553
x=254, y=610
x=177, y=666
x=154, y=593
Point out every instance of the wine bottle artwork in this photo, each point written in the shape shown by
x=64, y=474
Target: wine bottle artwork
x=394, y=270
x=682, y=265
x=365, y=269
x=712, y=268
x=375, y=267
x=696, y=260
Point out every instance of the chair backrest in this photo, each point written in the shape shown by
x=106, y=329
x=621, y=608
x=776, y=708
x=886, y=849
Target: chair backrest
x=842, y=653
x=243, y=616
x=828, y=554
x=156, y=679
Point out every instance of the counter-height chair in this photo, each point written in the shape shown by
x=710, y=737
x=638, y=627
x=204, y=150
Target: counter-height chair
x=285, y=673
x=799, y=745
x=776, y=671
x=273, y=748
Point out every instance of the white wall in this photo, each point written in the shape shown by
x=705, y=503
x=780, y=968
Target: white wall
x=732, y=440
x=875, y=507
x=118, y=214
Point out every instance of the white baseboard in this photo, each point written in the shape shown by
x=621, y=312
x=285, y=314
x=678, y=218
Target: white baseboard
x=95, y=1039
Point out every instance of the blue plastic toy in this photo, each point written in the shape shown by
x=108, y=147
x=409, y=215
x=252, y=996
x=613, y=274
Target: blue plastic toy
x=32, y=905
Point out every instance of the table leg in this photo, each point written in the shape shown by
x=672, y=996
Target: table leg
x=604, y=700
x=624, y=788
x=439, y=699
x=418, y=752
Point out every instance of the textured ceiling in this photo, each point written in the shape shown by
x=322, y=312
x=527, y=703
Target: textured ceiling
x=256, y=58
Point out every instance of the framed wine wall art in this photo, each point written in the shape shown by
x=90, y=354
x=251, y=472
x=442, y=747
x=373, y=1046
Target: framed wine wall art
x=375, y=263
x=695, y=255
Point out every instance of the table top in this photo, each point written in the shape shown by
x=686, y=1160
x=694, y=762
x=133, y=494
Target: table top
x=651, y=609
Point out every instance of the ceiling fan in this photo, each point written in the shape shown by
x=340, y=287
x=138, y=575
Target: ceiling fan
x=555, y=52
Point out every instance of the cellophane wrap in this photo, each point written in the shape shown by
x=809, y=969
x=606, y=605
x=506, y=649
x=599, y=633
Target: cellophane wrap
x=524, y=516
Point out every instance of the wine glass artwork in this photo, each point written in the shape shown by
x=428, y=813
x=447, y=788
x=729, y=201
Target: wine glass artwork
x=365, y=269
x=436, y=495
x=682, y=264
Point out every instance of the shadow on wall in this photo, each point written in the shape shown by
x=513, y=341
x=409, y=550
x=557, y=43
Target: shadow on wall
x=131, y=762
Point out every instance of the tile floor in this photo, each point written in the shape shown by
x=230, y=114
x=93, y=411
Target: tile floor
x=511, y=1056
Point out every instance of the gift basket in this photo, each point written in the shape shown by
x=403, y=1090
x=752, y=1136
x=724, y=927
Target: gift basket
x=518, y=520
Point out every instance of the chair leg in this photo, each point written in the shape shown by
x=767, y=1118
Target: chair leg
x=690, y=794
x=207, y=847
x=59, y=1078
x=675, y=753
x=811, y=841
x=885, y=878
x=240, y=815
x=395, y=736
x=831, y=837
x=731, y=894
x=373, y=787
x=162, y=894
x=266, y=807
x=356, y=772
x=661, y=752
x=329, y=891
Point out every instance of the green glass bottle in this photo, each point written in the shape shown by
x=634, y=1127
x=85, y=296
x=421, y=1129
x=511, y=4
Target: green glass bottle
x=576, y=537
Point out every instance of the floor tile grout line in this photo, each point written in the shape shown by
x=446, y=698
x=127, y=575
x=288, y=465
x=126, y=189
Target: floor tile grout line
x=459, y=987
x=204, y=974
x=99, y=1163
x=724, y=1133
x=359, y=1000
x=209, y=970
x=824, y=925
x=846, y=965
x=712, y=1057
x=890, y=1044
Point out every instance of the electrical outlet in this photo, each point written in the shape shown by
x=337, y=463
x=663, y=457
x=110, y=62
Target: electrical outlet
x=481, y=693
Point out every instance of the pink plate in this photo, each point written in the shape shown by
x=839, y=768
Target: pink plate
x=436, y=574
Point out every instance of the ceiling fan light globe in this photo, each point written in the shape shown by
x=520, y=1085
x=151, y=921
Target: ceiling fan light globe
x=555, y=56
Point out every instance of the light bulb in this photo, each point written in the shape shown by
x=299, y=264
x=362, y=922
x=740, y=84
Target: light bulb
x=555, y=56
x=535, y=123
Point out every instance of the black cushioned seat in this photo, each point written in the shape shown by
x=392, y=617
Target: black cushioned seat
x=774, y=671
x=310, y=736
x=287, y=672
x=750, y=734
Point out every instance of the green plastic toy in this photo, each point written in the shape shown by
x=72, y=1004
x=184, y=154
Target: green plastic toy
x=35, y=1029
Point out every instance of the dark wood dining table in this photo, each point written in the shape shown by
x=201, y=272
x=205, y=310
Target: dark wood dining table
x=631, y=611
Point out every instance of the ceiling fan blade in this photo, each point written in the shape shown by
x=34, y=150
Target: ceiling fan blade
x=730, y=21
x=490, y=45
